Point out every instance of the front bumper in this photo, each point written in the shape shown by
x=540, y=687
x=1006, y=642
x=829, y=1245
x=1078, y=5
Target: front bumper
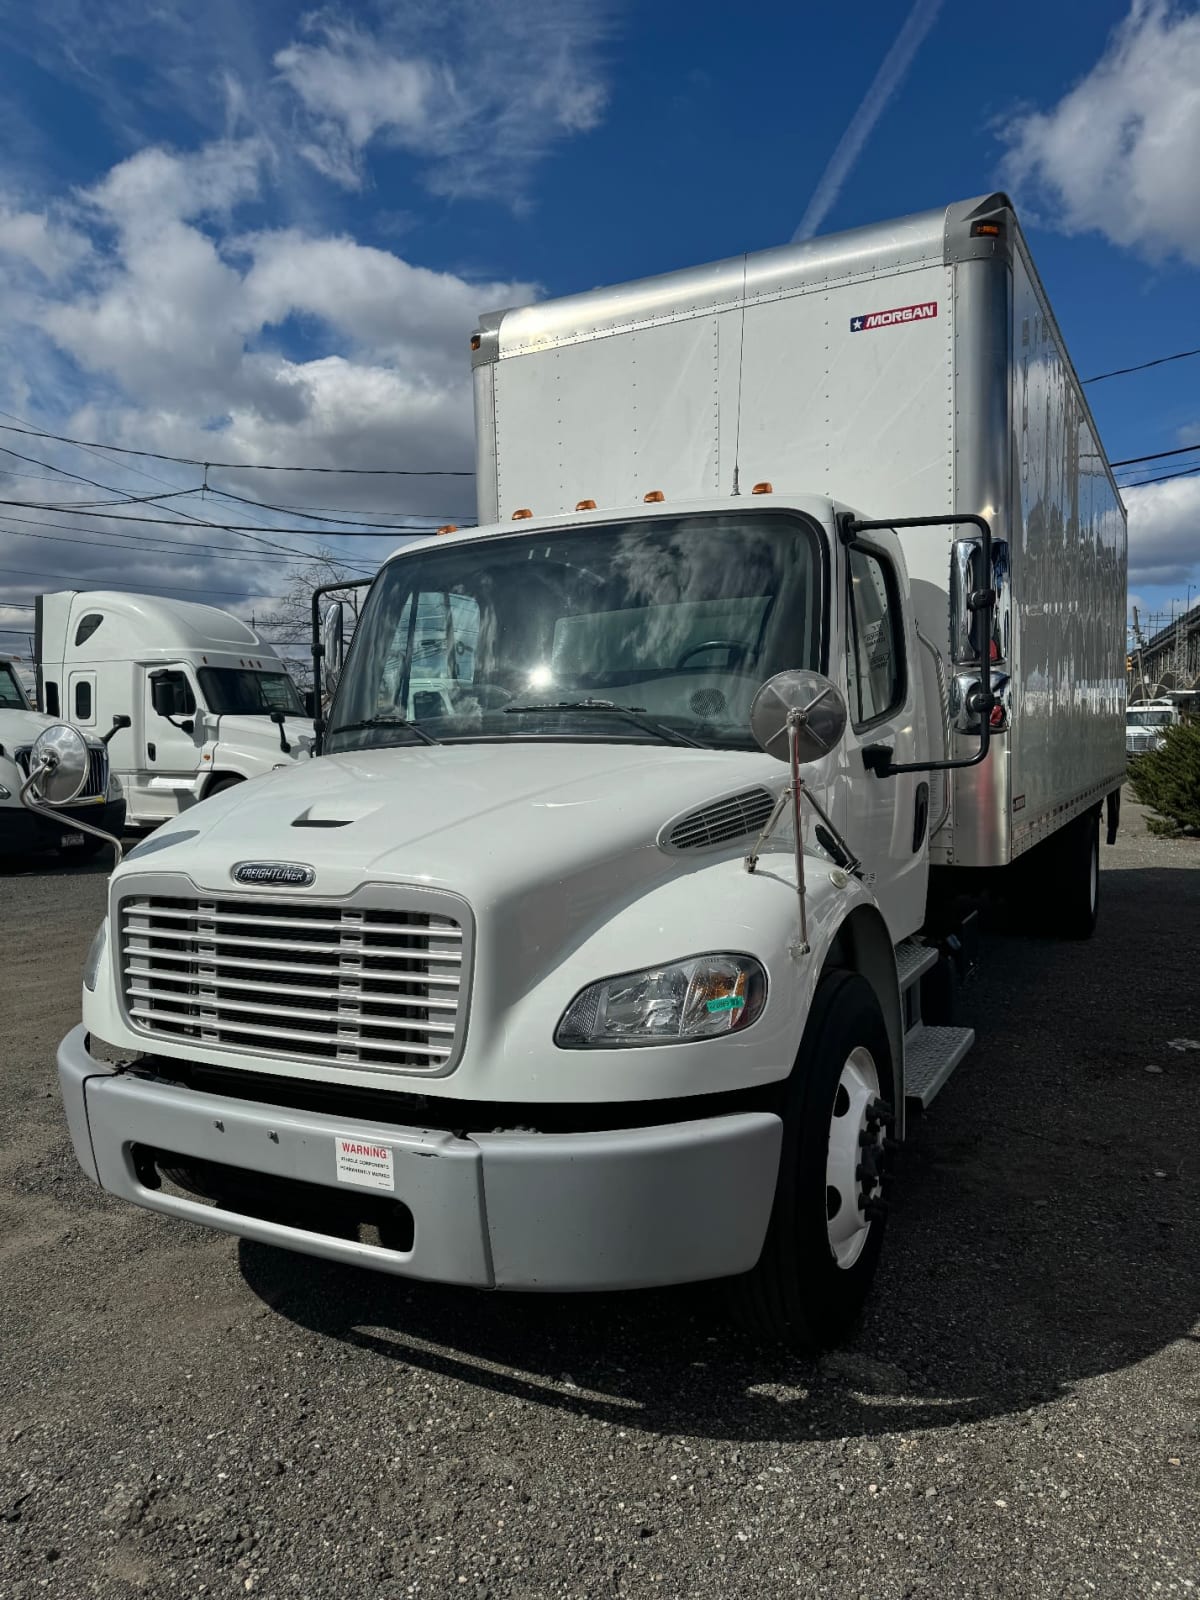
x=22, y=829
x=605, y=1210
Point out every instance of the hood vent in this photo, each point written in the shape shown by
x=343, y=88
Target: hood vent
x=733, y=817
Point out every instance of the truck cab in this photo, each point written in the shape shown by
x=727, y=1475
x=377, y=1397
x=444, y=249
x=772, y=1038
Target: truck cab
x=1146, y=724
x=209, y=703
x=101, y=804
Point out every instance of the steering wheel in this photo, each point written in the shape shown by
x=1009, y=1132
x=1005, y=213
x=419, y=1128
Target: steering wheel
x=736, y=647
x=491, y=696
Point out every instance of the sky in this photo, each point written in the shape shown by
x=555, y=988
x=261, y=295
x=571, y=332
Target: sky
x=263, y=233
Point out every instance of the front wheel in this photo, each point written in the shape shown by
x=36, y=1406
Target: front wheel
x=826, y=1229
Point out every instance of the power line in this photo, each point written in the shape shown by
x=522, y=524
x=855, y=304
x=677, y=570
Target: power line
x=173, y=589
x=1159, y=455
x=1163, y=477
x=241, y=466
x=1119, y=372
x=222, y=527
x=145, y=547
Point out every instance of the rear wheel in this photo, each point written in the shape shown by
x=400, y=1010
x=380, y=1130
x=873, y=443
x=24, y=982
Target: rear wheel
x=226, y=780
x=826, y=1229
x=1072, y=884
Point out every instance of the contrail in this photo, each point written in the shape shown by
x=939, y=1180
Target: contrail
x=883, y=86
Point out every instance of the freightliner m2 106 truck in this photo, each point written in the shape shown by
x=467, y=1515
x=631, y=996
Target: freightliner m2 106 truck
x=615, y=957
x=203, y=701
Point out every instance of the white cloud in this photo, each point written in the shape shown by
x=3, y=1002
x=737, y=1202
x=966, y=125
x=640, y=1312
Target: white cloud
x=1120, y=152
x=480, y=92
x=139, y=313
x=1164, y=531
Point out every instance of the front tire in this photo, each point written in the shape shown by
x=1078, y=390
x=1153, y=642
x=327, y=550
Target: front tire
x=826, y=1229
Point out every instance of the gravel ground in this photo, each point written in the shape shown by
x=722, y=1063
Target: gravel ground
x=1020, y=1414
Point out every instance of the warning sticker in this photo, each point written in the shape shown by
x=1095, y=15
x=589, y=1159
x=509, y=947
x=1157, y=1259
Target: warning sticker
x=365, y=1163
x=893, y=318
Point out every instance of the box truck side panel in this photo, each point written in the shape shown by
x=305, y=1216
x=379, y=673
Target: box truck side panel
x=610, y=419
x=1067, y=745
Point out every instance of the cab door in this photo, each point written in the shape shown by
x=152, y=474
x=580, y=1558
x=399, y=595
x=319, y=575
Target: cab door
x=172, y=742
x=886, y=819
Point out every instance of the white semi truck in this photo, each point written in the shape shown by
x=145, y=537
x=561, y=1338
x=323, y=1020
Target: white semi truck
x=552, y=976
x=203, y=701
x=78, y=830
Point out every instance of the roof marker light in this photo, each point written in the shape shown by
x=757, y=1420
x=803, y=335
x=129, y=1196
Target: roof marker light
x=519, y=516
x=763, y=488
x=585, y=505
x=654, y=497
x=986, y=230
x=476, y=341
x=447, y=527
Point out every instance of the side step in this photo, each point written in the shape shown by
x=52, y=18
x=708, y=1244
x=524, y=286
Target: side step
x=930, y=1056
x=913, y=961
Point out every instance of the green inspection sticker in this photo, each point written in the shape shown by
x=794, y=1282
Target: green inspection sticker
x=725, y=1002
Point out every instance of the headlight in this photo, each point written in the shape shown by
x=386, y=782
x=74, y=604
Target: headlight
x=696, y=999
x=91, y=967
x=115, y=791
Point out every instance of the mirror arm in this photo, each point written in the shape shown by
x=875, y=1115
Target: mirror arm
x=119, y=721
x=77, y=825
x=849, y=528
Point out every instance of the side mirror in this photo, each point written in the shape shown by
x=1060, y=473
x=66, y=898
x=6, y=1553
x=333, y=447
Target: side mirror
x=333, y=640
x=119, y=721
x=802, y=705
x=164, y=694
x=279, y=718
x=968, y=588
x=59, y=763
x=58, y=766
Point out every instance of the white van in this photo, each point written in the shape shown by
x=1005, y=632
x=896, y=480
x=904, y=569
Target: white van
x=208, y=701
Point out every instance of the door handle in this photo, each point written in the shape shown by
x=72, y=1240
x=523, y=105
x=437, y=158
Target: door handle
x=152, y=752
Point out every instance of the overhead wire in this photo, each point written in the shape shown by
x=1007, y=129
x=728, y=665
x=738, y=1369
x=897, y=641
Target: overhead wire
x=1159, y=361
x=242, y=466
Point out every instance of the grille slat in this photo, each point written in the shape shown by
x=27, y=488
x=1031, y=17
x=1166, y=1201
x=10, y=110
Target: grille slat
x=731, y=818
x=337, y=985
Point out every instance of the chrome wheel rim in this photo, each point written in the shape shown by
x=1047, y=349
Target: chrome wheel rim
x=854, y=1162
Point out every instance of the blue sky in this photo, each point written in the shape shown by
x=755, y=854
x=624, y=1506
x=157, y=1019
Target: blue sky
x=263, y=232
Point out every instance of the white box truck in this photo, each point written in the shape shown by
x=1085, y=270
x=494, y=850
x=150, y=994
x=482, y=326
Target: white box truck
x=205, y=701
x=558, y=979
x=79, y=830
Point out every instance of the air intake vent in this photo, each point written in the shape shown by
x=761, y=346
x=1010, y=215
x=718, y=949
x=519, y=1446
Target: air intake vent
x=731, y=818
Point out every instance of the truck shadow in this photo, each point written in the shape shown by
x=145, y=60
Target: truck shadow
x=1043, y=1230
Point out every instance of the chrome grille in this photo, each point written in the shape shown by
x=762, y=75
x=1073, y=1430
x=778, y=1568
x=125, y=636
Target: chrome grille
x=96, y=786
x=731, y=818
x=354, y=985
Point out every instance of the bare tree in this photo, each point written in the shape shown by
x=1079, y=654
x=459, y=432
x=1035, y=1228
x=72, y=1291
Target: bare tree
x=289, y=627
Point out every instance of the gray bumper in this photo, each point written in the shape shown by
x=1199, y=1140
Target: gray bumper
x=610, y=1210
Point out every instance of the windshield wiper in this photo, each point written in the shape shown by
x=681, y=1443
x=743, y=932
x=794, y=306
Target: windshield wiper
x=630, y=713
x=385, y=722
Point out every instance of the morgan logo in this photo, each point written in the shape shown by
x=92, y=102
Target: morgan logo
x=289, y=873
x=891, y=319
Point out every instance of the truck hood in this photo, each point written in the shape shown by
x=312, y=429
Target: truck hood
x=261, y=734
x=487, y=821
x=22, y=727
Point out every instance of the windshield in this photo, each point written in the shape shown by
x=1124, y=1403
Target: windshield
x=230, y=689
x=12, y=696
x=1149, y=719
x=678, y=619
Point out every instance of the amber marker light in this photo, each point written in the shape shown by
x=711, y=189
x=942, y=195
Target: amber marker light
x=447, y=527
x=476, y=341
x=585, y=505
x=519, y=516
x=763, y=488
x=654, y=497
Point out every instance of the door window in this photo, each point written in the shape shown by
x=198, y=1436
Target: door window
x=83, y=700
x=875, y=666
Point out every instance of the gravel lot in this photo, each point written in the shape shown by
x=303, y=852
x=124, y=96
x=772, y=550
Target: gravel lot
x=1020, y=1414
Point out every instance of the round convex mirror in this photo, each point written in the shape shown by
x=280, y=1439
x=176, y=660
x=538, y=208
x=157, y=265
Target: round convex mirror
x=61, y=754
x=821, y=708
